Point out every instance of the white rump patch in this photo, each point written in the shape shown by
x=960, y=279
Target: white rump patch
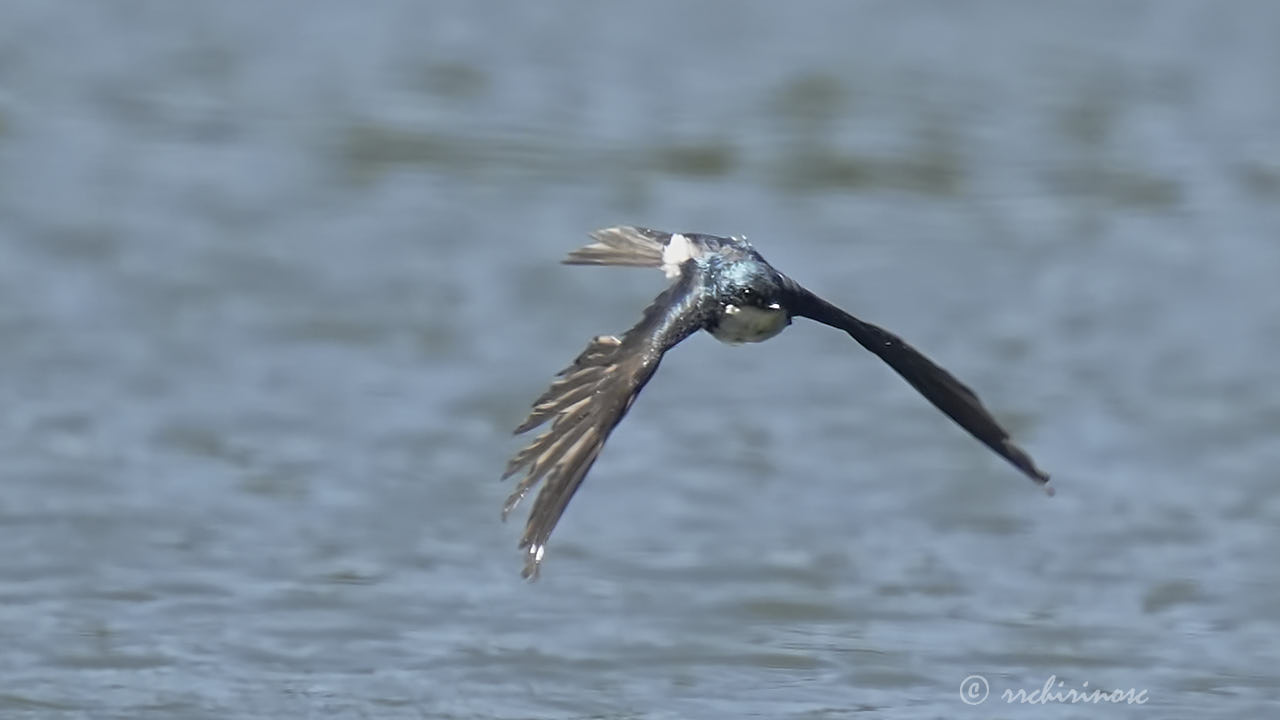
x=678, y=250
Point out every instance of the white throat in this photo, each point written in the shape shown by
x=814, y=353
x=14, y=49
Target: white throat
x=739, y=324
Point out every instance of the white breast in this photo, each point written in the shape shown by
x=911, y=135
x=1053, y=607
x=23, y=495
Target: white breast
x=749, y=324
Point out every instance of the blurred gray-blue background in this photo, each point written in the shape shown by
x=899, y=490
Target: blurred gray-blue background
x=277, y=280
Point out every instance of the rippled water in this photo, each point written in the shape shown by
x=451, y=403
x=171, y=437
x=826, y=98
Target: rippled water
x=277, y=280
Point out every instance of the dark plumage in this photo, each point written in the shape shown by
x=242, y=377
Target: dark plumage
x=722, y=285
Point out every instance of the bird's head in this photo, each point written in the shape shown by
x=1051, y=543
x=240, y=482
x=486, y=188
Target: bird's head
x=750, y=283
x=759, y=295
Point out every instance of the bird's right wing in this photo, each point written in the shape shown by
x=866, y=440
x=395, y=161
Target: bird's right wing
x=938, y=386
x=588, y=400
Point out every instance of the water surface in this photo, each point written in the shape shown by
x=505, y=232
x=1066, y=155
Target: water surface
x=276, y=281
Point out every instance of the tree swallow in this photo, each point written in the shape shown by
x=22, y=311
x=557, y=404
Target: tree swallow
x=721, y=285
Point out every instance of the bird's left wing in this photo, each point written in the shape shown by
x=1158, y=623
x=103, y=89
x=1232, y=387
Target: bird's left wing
x=587, y=401
x=937, y=385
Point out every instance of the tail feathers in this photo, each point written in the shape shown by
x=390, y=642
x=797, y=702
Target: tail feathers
x=631, y=246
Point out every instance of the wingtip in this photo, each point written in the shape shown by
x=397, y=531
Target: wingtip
x=1021, y=460
x=1042, y=479
x=532, y=561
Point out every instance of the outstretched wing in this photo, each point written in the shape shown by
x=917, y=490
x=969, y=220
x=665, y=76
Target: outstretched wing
x=937, y=385
x=587, y=401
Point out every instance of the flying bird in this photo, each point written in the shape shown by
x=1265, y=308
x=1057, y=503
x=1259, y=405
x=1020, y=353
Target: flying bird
x=721, y=285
